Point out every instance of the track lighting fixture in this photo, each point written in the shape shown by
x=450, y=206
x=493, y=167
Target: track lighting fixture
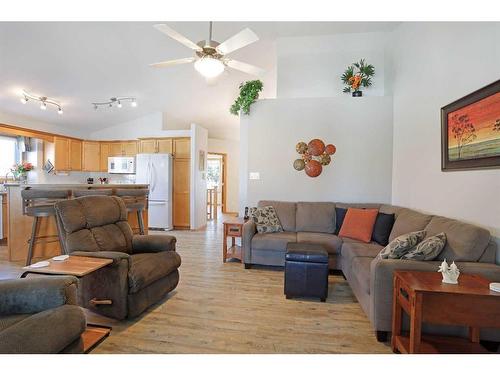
x=43, y=101
x=118, y=101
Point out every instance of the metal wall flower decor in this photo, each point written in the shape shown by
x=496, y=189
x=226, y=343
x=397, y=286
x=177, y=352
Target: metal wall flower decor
x=314, y=155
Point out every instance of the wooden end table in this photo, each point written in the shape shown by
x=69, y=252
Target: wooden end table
x=425, y=298
x=233, y=228
x=97, y=329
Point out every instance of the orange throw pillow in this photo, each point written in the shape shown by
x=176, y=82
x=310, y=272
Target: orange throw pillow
x=358, y=224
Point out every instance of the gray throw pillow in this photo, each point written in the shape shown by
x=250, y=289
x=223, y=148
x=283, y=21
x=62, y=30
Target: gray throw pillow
x=428, y=249
x=401, y=245
x=266, y=220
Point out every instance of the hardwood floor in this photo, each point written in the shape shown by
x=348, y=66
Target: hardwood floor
x=223, y=308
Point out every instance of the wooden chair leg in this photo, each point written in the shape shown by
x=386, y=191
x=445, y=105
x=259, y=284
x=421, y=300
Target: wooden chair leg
x=61, y=244
x=31, y=241
x=141, y=222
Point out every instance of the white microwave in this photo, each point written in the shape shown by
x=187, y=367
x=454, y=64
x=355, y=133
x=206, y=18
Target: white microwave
x=121, y=164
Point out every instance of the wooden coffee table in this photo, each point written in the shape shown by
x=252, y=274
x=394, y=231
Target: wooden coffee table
x=425, y=298
x=97, y=329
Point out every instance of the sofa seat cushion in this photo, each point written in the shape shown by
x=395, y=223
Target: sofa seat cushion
x=148, y=267
x=464, y=242
x=355, y=249
x=273, y=241
x=360, y=271
x=330, y=242
x=316, y=217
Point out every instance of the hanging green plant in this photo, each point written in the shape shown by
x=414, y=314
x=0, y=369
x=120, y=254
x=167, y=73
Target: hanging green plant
x=358, y=75
x=249, y=93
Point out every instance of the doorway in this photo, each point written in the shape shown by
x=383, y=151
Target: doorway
x=216, y=182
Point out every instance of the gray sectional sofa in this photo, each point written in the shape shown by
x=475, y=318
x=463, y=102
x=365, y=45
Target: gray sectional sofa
x=370, y=277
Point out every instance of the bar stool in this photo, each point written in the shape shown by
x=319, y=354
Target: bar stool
x=37, y=204
x=135, y=200
x=87, y=192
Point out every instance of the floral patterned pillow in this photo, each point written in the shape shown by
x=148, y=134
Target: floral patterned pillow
x=266, y=220
x=401, y=245
x=428, y=249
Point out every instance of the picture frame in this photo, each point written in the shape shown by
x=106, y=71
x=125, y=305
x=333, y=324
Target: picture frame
x=470, y=131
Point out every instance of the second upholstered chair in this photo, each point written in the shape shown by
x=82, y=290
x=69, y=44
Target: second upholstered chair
x=144, y=268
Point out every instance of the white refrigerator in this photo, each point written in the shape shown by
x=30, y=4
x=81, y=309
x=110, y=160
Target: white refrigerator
x=156, y=170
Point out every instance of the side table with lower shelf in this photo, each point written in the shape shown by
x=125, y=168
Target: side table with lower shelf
x=97, y=328
x=233, y=228
x=424, y=297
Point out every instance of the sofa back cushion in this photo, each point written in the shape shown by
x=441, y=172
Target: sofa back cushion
x=409, y=221
x=285, y=212
x=94, y=223
x=464, y=242
x=315, y=217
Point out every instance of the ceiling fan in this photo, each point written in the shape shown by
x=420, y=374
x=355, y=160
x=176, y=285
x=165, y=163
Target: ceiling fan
x=210, y=59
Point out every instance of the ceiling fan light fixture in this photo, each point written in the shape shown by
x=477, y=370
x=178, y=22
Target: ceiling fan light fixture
x=209, y=67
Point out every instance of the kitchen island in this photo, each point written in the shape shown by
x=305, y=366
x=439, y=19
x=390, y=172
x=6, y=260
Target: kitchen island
x=19, y=225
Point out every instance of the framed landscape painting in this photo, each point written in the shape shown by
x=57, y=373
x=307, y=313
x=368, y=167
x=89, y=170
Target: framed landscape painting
x=470, y=130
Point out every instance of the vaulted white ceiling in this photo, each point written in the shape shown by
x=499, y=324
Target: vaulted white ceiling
x=79, y=63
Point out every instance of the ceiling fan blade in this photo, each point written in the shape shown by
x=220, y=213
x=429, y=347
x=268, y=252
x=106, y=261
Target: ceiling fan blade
x=164, y=64
x=179, y=37
x=244, y=67
x=240, y=40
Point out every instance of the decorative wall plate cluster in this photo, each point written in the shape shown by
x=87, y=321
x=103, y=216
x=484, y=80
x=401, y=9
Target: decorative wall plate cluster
x=314, y=155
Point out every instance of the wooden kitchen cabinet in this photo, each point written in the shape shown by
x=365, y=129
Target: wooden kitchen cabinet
x=64, y=153
x=156, y=145
x=165, y=146
x=147, y=146
x=75, y=155
x=115, y=149
x=91, y=151
x=124, y=148
x=129, y=148
x=103, y=156
x=60, y=152
x=182, y=148
x=181, y=193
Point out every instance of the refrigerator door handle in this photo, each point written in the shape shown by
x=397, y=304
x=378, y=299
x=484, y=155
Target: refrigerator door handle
x=153, y=174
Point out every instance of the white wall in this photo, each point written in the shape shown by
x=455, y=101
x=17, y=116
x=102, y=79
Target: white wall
x=360, y=128
x=232, y=150
x=199, y=142
x=151, y=125
x=312, y=66
x=435, y=64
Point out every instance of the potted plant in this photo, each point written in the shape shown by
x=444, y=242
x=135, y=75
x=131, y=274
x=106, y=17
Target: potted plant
x=20, y=170
x=249, y=93
x=358, y=75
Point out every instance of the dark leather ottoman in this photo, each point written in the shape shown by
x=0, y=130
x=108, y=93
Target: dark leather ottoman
x=306, y=271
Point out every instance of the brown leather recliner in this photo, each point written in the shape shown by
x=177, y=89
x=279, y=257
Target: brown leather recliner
x=144, y=268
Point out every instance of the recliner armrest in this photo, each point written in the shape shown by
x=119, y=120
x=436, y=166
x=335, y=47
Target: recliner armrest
x=30, y=296
x=116, y=256
x=152, y=243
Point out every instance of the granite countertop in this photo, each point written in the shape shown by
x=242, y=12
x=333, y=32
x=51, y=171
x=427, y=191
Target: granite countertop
x=76, y=185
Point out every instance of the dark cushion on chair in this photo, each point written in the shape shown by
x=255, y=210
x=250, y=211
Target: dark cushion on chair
x=148, y=267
